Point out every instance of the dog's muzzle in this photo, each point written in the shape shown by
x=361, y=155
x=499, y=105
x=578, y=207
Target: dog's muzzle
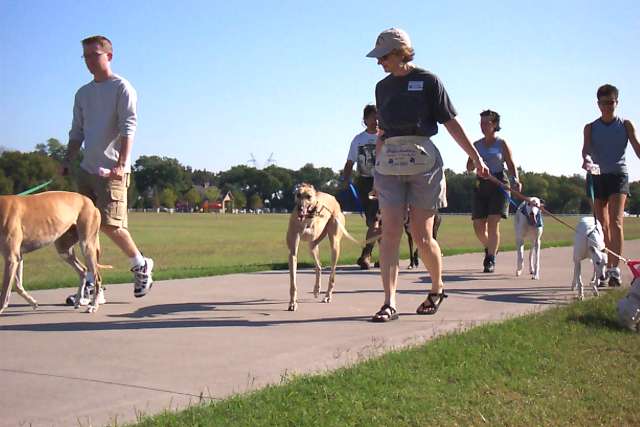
x=306, y=212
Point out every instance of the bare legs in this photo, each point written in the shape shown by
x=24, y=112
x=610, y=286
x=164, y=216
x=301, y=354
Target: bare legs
x=488, y=232
x=610, y=213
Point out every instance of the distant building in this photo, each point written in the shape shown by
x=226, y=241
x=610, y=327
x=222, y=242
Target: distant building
x=222, y=205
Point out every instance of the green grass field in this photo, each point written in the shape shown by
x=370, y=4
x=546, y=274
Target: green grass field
x=564, y=367
x=192, y=245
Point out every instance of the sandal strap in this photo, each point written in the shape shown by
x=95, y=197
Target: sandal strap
x=435, y=302
x=435, y=299
x=386, y=310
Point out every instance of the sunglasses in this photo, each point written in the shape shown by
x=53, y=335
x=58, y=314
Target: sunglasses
x=93, y=55
x=384, y=57
x=608, y=103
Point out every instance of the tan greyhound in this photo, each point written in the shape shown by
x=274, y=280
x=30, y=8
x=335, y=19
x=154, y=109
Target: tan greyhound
x=315, y=216
x=28, y=223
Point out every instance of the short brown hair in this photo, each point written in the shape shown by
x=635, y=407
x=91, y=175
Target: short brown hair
x=493, y=116
x=104, y=42
x=607, y=90
x=407, y=53
x=369, y=109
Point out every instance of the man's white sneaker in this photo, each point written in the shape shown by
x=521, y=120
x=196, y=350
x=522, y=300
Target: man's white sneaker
x=143, y=278
x=88, y=294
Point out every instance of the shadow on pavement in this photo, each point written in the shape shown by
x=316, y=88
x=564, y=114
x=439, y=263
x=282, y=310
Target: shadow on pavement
x=169, y=324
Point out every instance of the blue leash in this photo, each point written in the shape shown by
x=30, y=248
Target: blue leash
x=354, y=193
x=506, y=194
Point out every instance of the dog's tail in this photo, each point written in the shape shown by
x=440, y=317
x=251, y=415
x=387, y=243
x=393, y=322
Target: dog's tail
x=346, y=233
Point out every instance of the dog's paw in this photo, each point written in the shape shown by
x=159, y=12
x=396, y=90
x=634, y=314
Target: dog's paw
x=535, y=277
x=91, y=309
x=326, y=299
x=293, y=306
x=518, y=273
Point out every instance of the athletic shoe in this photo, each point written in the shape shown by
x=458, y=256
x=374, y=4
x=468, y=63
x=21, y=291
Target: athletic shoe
x=143, y=279
x=614, y=277
x=89, y=288
x=490, y=264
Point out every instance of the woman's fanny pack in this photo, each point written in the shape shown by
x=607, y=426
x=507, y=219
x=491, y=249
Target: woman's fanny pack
x=407, y=155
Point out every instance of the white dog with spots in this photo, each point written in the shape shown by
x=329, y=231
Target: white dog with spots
x=528, y=225
x=589, y=243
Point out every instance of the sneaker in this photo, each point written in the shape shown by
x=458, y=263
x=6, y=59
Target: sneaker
x=364, y=263
x=489, y=264
x=143, y=280
x=89, y=288
x=614, y=277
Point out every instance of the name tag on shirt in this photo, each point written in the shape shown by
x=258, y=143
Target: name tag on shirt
x=416, y=86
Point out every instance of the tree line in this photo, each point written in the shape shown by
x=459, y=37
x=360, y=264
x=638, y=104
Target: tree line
x=165, y=182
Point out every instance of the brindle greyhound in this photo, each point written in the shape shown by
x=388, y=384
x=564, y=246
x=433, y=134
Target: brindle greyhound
x=315, y=216
x=28, y=223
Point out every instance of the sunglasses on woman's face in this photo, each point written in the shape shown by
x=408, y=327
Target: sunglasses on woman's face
x=608, y=103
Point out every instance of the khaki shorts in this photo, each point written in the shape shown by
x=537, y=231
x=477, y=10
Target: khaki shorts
x=109, y=196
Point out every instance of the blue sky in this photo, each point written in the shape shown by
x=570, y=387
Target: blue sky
x=218, y=81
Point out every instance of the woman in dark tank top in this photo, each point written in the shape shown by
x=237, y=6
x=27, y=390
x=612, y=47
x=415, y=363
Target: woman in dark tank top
x=489, y=202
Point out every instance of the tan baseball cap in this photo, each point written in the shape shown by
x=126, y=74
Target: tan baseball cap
x=388, y=40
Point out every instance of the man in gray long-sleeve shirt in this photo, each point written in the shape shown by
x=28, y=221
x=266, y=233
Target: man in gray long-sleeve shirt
x=104, y=119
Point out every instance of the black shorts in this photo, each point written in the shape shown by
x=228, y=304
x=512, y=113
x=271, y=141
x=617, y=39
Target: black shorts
x=488, y=199
x=608, y=184
x=370, y=207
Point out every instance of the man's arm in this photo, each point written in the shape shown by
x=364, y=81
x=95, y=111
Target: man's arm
x=457, y=133
x=73, y=148
x=126, y=142
x=346, y=173
x=631, y=133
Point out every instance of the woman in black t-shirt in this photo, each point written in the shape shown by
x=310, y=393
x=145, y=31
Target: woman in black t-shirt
x=409, y=171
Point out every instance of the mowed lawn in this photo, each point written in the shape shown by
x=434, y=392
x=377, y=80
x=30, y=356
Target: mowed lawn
x=192, y=245
x=567, y=366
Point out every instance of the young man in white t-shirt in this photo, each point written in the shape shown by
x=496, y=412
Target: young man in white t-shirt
x=363, y=152
x=104, y=119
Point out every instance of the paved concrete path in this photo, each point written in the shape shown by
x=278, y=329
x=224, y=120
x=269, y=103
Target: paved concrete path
x=216, y=336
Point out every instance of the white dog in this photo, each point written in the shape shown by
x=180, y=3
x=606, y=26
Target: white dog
x=528, y=224
x=629, y=307
x=589, y=243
